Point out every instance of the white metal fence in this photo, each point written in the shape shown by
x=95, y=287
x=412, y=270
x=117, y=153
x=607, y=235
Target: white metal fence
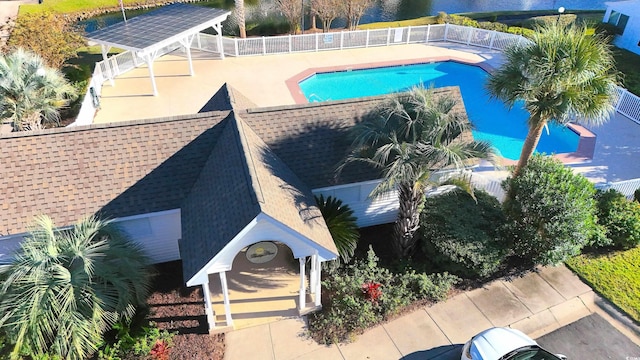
x=627, y=104
x=627, y=187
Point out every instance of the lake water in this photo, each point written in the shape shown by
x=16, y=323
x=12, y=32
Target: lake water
x=383, y=10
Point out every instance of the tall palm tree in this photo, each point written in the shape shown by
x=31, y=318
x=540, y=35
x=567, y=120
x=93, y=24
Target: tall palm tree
x=239, y=14
x=409, y=137
x=31, y=93
x=64, y=288
x=560, y=74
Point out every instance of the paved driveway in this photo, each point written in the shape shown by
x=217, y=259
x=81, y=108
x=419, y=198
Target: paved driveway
x=591, y=337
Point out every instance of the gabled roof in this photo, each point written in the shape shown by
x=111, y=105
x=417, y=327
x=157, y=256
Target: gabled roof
x=242, y=179
x=222, y=168
x=312, y=138
x=117, y=170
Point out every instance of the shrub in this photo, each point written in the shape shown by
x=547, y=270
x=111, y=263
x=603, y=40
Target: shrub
x=488, y=25
x=460, y=234
x=363, y=294
x=57, y=44
x=520, y=31
x=145, y=341
x=607, y=30
x=550, y=212
x=620, y=217
x=636, y=195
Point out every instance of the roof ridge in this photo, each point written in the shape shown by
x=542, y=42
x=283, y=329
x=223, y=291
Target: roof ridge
x=112, y=125
x=364, y=99
x=245, y=151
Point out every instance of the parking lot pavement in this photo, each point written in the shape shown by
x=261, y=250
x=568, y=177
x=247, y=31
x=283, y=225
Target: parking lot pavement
x=591, y=337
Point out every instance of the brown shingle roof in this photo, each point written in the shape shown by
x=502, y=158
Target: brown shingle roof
x=117, y=169
x=241, y=179
x=312, y=138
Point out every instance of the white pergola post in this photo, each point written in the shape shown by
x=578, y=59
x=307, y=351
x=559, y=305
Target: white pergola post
x=207, y=305
x=303, y=286
x=225, y=294
x=318, y=283
x=186, y=42
x=148, y=59
x=105, y=52
x=218, y=28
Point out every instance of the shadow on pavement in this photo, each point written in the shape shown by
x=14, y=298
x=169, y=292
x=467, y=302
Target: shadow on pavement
x=446, y=352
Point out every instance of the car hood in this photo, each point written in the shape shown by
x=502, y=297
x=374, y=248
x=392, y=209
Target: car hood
x=494, y=343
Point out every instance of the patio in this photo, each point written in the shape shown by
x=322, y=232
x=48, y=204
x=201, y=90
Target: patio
x=260, y=78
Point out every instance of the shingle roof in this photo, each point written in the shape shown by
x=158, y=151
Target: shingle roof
x=221, y=168
x=281, y=194
x=118, y=169
x=241, y=179
x=227, y=98
x=312, y=138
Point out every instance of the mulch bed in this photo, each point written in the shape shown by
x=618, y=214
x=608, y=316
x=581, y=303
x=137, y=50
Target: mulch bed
x=176, y=308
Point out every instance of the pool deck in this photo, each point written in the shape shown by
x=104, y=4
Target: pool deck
x=269, y=81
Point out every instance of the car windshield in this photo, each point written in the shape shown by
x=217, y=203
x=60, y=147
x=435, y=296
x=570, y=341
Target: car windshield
x=530, y=353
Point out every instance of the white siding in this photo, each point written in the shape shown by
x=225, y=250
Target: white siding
x=369, y=212
x=157, y=233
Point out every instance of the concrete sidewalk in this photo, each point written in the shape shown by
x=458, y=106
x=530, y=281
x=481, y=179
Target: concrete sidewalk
x=537, y=303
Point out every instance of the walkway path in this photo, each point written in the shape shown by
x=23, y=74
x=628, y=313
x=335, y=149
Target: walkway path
x=9, y=10
x=537, y=303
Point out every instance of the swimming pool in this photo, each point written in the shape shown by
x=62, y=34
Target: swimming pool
x=505, y=129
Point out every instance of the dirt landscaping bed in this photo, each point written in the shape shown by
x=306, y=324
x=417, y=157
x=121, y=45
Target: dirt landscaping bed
x=177, y=308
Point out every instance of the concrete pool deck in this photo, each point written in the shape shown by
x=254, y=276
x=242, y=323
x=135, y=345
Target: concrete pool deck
x=263, y=80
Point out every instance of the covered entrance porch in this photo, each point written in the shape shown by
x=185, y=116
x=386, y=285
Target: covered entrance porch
x=261, y=293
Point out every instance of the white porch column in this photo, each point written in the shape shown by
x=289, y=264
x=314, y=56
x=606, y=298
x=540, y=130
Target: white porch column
x=303, y=288
x=207, y=305
x=105, y=52
x=225, y=294
x=318, y=282
x=218, y=28
x=312, y=273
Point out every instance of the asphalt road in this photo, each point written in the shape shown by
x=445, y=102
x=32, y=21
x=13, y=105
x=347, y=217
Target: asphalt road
x=591, y=338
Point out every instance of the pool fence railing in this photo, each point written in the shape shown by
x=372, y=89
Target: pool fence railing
x=627, y=103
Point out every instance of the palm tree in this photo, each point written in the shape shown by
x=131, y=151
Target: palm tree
x=239, y=14
x=31, y=93
x=560, y=74
x=64, y=288
x=342, y=225
x=408, y=137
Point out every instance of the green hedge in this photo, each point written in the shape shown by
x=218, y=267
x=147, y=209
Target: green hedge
x=364, y=294
x=460, y=233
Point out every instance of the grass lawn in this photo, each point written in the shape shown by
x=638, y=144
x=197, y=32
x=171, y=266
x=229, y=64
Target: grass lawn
x=76, y=6
x=615, y=276
x=627, y=63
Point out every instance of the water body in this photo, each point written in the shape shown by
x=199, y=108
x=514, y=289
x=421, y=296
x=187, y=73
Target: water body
x=383, y=10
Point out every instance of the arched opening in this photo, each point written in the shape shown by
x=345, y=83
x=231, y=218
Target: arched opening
x=263, y=286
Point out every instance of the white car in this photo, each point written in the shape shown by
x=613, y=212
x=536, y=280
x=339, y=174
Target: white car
x=505, y=344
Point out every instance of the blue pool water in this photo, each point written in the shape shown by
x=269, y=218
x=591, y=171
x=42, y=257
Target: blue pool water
x=505, y=129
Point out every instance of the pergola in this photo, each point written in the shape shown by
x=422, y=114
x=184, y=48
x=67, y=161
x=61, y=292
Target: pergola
x=146, y=35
